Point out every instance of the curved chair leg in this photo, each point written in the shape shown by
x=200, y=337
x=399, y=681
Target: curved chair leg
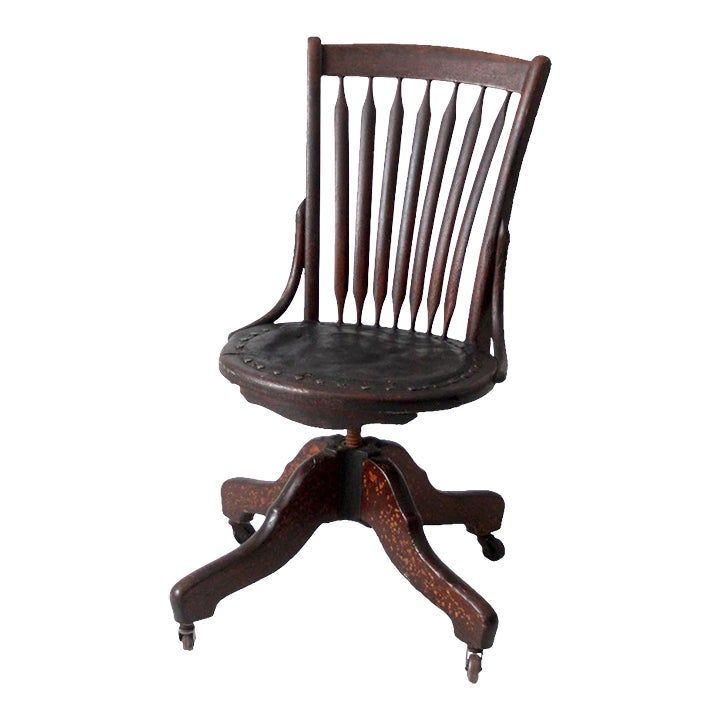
x=242, y=497
x=308, y=499
x=387, y=507
x=481, y=511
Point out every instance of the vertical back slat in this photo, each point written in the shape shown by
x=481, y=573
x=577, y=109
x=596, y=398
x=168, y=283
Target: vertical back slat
x=432, y=193
x=364, y=201
x=412, y=191
x=470, y=212
x=312, y=179
x=342, y=200
x=451, y=209
x=387, y=201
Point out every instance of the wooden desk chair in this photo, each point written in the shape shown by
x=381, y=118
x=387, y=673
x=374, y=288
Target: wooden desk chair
x=346, y=374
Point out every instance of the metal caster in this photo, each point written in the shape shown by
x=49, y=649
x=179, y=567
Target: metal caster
x=242, y=530
x=186, y=633
x=473, y=665
x=492, y=548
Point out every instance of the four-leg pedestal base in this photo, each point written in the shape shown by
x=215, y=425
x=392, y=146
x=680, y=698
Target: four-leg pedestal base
x=377, y=484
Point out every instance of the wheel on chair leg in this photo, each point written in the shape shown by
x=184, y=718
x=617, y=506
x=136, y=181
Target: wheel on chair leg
x=473, y=666
x=242, y=531
x=492, y=548
x=186, y=633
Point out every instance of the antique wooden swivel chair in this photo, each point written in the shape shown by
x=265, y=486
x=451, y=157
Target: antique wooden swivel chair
x=347, y=374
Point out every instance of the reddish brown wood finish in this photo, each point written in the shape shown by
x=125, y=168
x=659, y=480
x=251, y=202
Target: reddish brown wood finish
x=376, y=484
x=312, y=198
x=452, y=207
x=432, y=194
x=296, y=269
x=426, y=62
x=308, y=499
x=342, y=200
x=387, y=201
x=469, y=216
x=409, y=211
x=364, y=201
x=498, y=329
x=481, y=511
x=388, y=508
x=243, y=496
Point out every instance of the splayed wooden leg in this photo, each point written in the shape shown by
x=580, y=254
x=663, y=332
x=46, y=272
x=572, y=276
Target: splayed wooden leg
x=481, y=511
x=308, y=499
x=388, y=508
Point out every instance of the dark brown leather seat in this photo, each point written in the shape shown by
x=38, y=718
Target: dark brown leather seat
x=350, y=375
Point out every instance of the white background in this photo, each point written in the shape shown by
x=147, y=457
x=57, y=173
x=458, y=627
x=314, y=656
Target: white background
x=151, y=159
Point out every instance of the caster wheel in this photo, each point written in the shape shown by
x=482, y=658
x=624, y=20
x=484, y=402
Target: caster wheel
x=473, y=666
x=492, y=548
x=186, y=634
x=242, y=531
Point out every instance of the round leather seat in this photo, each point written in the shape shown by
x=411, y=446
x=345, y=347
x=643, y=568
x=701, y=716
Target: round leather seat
x=340, y=375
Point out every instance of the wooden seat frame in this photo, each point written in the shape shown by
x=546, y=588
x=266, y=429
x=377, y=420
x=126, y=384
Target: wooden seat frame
x=360, y=478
